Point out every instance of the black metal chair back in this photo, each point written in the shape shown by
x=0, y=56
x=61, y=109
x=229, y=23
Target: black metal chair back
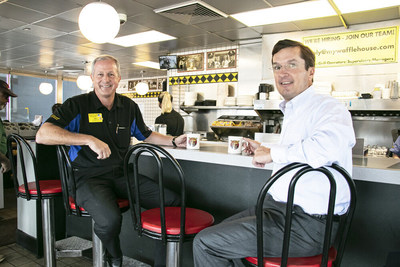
x=345, y=220
x=22, y=179
x=68, y=183
x=133, y=181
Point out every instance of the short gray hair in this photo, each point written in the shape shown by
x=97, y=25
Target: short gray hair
x=107, y=57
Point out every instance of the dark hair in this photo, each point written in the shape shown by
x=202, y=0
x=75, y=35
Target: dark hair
x=55, y=106
x=305, y=52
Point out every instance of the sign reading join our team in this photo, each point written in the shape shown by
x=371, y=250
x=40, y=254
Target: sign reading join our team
x=377, y=46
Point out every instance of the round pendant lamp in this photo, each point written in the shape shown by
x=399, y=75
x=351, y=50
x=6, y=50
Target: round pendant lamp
x=84, y=82
x=142, y=87
x=99, y=22
x=46, y=88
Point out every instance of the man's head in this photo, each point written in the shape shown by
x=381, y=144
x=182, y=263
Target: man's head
x=105, y=75
x=5, y=93
x=294, y=65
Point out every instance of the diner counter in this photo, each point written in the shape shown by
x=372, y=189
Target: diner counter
x=371, y=169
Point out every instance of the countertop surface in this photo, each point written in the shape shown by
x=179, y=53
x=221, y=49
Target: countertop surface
x=372, y=169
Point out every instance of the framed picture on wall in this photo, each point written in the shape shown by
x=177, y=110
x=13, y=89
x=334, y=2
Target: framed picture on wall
x=132, y=84
x=160, y=83
x=193, y=62
x=221, y=59
x=153, y=85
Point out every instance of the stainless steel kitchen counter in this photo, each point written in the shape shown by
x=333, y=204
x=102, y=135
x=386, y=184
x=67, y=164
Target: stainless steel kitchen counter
x=372, y=169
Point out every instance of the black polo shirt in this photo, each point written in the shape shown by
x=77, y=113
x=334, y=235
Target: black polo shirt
x=85, y=114
x=174, y=122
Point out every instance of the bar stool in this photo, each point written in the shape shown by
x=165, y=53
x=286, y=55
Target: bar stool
x=69, y=193
x=172, y=225
x=29, y=186
x=329, y=255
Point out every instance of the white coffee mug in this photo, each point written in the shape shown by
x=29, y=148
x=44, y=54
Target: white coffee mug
x=235, y=144
x=193, y=141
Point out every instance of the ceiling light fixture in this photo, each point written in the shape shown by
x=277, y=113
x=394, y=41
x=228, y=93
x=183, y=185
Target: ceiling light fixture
x=84, y=82
x=149, y=64
x=286, y=13
x=45, y=88
x=99, y=22
x=346, y=6
x=141, y=38
x=142, y=87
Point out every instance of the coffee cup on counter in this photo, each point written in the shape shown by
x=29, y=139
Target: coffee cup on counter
x=235, y=144
x=193, y=141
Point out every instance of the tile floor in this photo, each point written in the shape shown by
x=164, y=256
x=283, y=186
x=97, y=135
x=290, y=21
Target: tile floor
x=16, y=255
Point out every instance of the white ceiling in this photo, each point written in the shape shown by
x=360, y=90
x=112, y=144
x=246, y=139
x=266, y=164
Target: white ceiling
x=43, y=35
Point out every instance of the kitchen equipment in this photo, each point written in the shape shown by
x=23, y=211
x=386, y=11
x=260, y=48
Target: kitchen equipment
x=244, y=126
x=264, y=89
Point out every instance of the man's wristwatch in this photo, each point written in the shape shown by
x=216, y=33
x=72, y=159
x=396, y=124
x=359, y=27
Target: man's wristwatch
x=173, y=141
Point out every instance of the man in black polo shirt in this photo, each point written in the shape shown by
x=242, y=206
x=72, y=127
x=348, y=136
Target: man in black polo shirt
x=98, y=127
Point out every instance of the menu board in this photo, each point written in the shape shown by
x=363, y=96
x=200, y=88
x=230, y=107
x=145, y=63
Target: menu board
x=376, y=46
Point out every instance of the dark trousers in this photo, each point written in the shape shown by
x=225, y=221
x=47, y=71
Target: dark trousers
x=98, y=196
x=235, y=237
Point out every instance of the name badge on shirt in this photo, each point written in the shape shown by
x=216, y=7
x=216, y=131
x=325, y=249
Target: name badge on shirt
x=95, y=117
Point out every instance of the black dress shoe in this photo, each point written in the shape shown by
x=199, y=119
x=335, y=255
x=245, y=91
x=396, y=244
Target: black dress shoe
x=114, y=262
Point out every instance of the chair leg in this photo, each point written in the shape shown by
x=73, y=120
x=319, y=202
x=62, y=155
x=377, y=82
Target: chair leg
x=97, y=250
x=48, y=232
x=173, y=254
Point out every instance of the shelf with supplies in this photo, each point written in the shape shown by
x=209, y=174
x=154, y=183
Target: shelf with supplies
x=197, y=108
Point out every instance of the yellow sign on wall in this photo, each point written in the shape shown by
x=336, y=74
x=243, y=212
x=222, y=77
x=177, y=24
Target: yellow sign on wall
x=377, y=46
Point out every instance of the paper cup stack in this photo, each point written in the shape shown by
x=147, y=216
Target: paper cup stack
x=230, y=101
x=244, y=100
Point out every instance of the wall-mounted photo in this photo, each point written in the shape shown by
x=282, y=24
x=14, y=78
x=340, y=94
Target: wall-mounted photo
x=193, y=62
x=132, y=84
x=221, y=59
x=160, y=83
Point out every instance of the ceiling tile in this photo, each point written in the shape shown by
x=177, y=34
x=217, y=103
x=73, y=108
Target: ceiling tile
x=46, y=6
x=59, y=24
x=235, y=6
x=221, y=25
x=239, y=34
x=7, y=24
x=18, y=13
x=327, y=22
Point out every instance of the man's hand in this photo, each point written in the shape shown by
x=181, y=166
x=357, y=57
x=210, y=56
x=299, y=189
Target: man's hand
x=102, y=150
x=262, y=156
x=180, y=141
x=250, y=146
x=5, y=165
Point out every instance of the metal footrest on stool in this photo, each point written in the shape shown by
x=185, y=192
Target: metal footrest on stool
x=133, y=263
x=72, y=247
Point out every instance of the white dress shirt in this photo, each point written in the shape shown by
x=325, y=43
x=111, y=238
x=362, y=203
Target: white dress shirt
x=317, y=130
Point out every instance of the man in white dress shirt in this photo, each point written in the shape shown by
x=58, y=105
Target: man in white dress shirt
x=316, y=130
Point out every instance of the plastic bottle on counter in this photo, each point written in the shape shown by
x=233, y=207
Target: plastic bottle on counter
x=394, y=93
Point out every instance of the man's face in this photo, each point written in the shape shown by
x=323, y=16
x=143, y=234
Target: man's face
x=291, y=77
x=105, y=78
x=3, y=100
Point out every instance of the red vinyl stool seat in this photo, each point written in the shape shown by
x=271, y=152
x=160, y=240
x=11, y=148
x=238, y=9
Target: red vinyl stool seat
x=313, y=261
x=171, y=225
x=48, y=188
x=43, y=190
x=123, y=204
x=195, y=221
